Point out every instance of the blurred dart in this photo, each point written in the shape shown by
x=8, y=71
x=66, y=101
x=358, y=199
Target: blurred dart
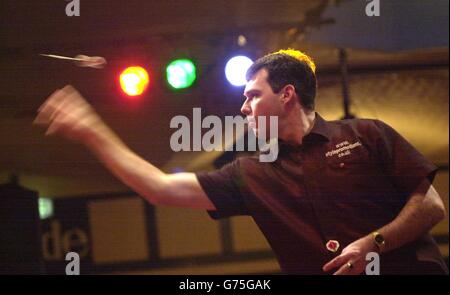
x=80, y=60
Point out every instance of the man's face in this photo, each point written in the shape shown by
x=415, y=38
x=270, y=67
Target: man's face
x=261, y=101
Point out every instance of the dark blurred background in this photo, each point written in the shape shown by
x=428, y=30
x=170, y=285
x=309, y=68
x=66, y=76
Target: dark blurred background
x=392, y=67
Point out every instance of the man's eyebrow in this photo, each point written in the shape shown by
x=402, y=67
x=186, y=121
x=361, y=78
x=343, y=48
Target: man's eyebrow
x=251, y=91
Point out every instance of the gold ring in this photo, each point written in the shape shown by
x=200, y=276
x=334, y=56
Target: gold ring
x=349, y=265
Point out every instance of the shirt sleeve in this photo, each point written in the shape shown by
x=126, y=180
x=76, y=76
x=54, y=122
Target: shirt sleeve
x=223, y=189
x=406, y=166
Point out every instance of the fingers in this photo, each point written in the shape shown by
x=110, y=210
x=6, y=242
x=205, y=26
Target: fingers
x=56, y=102
x=347, y=264
x=54, y=126
x=345, y=269
x=67, y=119
x=338, y=261
x=61, y=109
x=334, y=263
x=344, y=264
x=46, y=109
x=57, y=96
x=351, y=261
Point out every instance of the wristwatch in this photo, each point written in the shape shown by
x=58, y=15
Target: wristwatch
x=379, y=241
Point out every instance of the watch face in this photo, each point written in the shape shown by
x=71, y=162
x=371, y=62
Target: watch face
x=379, y=238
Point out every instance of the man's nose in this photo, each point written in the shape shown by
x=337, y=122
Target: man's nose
x=245, y=109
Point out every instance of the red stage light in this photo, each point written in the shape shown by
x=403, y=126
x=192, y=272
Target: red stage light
x=134, y=80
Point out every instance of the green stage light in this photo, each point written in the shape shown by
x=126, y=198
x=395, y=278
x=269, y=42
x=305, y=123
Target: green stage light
x=181, y=73
x=45, y=208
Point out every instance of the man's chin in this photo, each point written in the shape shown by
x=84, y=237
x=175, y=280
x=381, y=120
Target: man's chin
x=258, y=135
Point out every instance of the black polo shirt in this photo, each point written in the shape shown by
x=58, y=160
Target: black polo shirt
x=347, y=179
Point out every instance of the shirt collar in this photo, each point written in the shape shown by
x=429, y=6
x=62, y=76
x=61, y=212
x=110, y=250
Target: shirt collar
x=320, y=128
x=319, y=132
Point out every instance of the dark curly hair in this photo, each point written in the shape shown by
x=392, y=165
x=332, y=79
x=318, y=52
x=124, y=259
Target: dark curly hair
x=289, y=67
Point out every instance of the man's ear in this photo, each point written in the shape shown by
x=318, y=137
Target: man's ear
x=288, y=93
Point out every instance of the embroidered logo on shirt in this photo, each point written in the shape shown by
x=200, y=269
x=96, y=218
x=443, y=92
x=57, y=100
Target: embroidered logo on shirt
x=343, y=149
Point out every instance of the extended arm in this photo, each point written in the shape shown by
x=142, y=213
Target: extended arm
x=66, y=113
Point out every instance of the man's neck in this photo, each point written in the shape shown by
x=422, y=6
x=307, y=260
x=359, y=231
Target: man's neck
x=298, y=127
